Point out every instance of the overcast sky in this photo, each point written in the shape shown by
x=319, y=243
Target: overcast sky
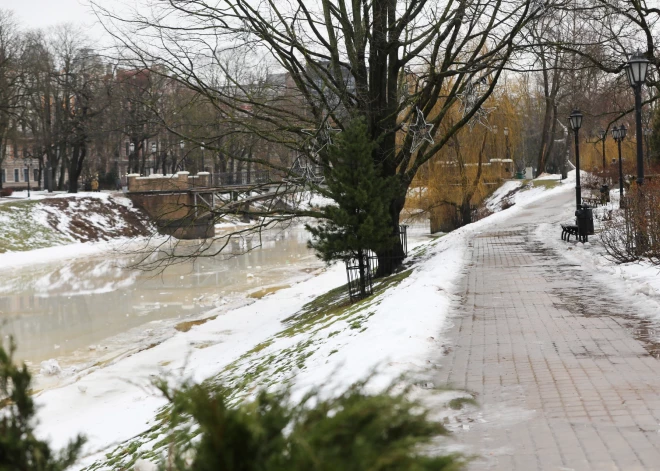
x=44, y=13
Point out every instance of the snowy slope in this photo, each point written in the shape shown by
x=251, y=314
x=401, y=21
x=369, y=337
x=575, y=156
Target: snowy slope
x=47, y=221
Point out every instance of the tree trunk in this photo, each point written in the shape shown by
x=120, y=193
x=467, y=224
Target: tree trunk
x=466, y=212
x=390, y=260
x=63, y=162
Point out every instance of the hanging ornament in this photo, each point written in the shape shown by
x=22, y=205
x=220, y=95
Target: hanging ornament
x=320, y=138
x=537, y=7
x=420, y=130
x=303, y=173
x=469, y=98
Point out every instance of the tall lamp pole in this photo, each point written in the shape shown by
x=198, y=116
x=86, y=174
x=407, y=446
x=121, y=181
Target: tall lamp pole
x=183, y=163
x=154, y=165
x=131, y=157
x=636, y=71
x=202, y=147
x=28, y=163
x=506, y=143
x=647, y=135
x=603, y=136
x=576, y=122
x=619, y=134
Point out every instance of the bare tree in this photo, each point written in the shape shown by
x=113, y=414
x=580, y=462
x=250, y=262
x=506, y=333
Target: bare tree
x=343, y=60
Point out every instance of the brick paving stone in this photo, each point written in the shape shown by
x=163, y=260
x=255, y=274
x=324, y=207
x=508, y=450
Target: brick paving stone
x=561, y=379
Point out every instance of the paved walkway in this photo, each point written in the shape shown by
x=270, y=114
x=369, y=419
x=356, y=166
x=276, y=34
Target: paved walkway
x=563, y=380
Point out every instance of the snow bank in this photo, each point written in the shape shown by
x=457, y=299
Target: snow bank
x=48, y=221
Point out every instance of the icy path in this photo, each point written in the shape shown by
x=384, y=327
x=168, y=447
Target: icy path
x=563, y=376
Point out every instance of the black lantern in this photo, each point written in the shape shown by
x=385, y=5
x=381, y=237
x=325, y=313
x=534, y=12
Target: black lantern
x=602, y=133
x=576, y=120
x=636, y=69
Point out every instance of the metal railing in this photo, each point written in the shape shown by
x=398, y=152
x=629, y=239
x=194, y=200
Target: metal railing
x=254, y=177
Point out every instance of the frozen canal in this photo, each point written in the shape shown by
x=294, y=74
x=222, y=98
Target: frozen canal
x=89, y=311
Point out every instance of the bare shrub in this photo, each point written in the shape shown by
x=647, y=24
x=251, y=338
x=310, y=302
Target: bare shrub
x=633, y=233
x=618, y=240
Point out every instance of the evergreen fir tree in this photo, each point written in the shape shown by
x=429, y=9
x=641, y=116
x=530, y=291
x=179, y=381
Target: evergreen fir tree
x=20, y=450
x=359, y=220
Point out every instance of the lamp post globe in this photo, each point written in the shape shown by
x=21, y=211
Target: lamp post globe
x=636, y=70
x=575, y=120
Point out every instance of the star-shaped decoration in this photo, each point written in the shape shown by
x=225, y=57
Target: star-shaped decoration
x=328, y=132
x=320, y=138
x=303, y=173
x=481, y=117
x=537, y=6
x=420, y=130
x=469, y=98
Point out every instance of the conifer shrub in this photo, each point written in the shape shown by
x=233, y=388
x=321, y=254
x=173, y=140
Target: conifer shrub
x=359, y=220
x=20, y=450
x=354, y=431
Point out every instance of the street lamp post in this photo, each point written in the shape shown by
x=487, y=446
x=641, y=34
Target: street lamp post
x=576, y=122
x=619, y=134
x=183, y=163
x=29, y=168
x=603, y=136
x=647, y=134
x=506, y=143
x=636, y=71
x=154, y=148
x=202, y=147
x=131, y=156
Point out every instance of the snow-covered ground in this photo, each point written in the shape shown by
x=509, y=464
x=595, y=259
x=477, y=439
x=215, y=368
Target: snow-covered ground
x=56, y=220
x=639, y=281
x=288, y=335
x=291, y=334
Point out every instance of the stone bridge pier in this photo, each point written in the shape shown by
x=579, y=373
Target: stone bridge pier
x=171, y=201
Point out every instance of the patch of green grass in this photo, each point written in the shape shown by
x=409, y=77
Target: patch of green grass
x=547, y=184
x=459, y=402
x=21, y=230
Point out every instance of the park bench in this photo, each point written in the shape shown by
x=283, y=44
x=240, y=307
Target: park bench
x=568, y=230
x=592, y=201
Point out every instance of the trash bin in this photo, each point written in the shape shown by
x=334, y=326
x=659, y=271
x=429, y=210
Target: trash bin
x=520, y=175
x=605, y=193
x=585, y=221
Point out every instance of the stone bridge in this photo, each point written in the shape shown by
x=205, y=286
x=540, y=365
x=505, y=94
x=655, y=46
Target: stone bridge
x=182, y=205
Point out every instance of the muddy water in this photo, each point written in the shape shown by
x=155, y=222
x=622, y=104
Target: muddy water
x=91, y=310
